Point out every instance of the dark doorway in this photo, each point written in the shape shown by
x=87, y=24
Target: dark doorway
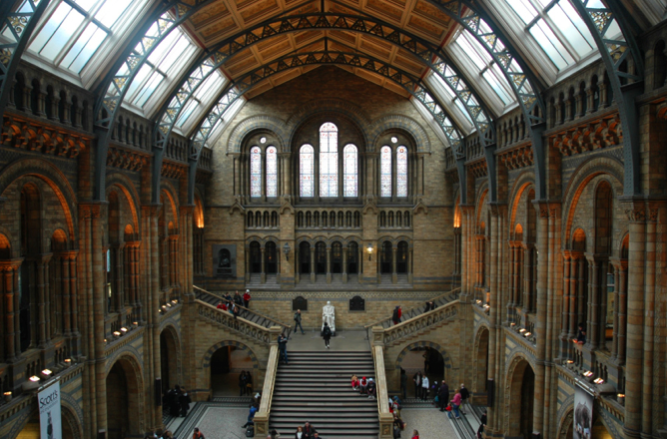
x=304, y=258
x=402, y=258
x=385, y=258
x=527, y=398
x=353, y=258
x=320, y=258
x=270, y=260
x=227, y=363
x=336, y=258
x=255, y=258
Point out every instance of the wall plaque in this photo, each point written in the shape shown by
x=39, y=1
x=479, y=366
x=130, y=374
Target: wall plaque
x=224, y=261
x=357, y=304
x=300, y=303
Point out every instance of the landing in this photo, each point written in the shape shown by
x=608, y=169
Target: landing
x=349, y=340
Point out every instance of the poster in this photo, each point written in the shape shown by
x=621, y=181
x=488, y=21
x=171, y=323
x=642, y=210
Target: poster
x=49, y=411
x=583, y=413
x=224, y=261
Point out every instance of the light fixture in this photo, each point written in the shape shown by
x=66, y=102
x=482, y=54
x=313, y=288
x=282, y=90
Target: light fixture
x=512, y=324
x=526, y=334
x=598, y=381
x=522, y=330
x=168, y=305
x=286, y=250
x=570, y=361
x=123, y=330
x=68, y=362
x=116, y=334
x=587, y=373
x=174, y=301
x=8, y=396
x=620, y=398
x=46, y=373
x=34, y=379
x=135, y=324
x=369, y=249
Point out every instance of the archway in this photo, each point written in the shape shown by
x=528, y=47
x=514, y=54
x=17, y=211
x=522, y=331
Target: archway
x=481, y=353
x=352, y=258
x=226, y=364
x=520, y=399
x=385, y=258
x=170, y=358
x=304, y=258
x=255, y=258
x=599, y=430
x=425, y=357
x=124, y=399
x=270, y=258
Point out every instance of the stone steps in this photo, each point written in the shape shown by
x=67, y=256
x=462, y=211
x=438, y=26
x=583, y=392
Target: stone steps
x=315, y=387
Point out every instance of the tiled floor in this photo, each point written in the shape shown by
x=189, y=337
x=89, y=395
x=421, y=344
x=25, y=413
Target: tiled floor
x=431, y=424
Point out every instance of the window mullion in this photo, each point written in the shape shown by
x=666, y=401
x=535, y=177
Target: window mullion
x=562, y=39
x=72, y=41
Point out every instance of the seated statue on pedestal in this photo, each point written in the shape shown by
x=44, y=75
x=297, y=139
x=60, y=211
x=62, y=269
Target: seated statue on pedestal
x=329, y=316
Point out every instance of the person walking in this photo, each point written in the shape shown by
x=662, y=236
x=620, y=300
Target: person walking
x=242, y=383
x=465, y=395
x=246, y=299
x=443, y=395
x=482, y=424
x=404, y=383
x=184, y=401
x=456, y=402
x=297, y=319
x=418, y=384
x=430, y=306
x=248, y=384
x=197, y=434
x=396, y=317
x=326, y=334
x=282, y=346
x=251, y=414
x=425, y=385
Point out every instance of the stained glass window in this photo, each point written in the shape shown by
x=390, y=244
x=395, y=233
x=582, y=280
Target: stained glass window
x=271, y=171
x=350, y=171
x=385, y=171
x=255, y=172
x=402, y=171
x=307, y=171
x=328, y=160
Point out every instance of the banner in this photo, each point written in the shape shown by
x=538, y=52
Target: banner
x=48, y=399
x=583, y=413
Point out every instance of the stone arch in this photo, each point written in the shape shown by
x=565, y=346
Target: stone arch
x=480, y=354
x=72, y=414
x=257, y=123
x=5, y=247
x=131, y=368
x=52, y=176
x=524, y=181
x=175, y=363
x=399, y=122
x=580, y=177
x=206, y=361
x=167, y=189
x=423, y=344
x=127, y=188
x=565, y=417
x=513, y=388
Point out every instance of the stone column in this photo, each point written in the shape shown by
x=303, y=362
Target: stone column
x=565, y=313
x=649, y=321
x=622, y=312
x=493, y=414
x=345, y=250
x=75, y=339
x=525, y=301
x=574, y=296
x=635, y=327
x=592, y=332
x=263, y=264
x=247, y=263
x=394, y=274
x=328, y=264
x=312, y=264
x=409, y=262
x=43, y=311
x=9, y=284
x=617, y=276
x=63, y=261
x=541, y=317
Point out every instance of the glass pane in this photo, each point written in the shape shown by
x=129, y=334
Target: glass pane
x=109, y=13
x=139, y=79
x=187, y=112
x=328, y=160
x=385, y=171
x=84, y=48
x=148, y=90
x=87, y=5
x=255, y=172
x=572, y=27
x=466, y=42
x=523, y=9
x=62, y=36
x=350, y=170
x=271, y=172
x=550, y=44
x=402, y=171
x=164, y=47
x=306, y=171
x=50, y=27
x=177, y=55
x=497, y=86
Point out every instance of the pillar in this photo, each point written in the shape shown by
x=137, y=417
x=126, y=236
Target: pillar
x=565, y=313
x=328, y=263
x=312, y=264
x=592, y=334
x=394, y=274
x=345, y=264
x=622, y=312
x=649, y=328
x=263, y=264
x=9, y=284
x=541, y=317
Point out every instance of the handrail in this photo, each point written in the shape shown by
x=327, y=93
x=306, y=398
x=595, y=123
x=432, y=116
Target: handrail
x=211, y=314
x=384, y=416
x=284, y=325
x=379, y=322
x=444, y=313
x=261, y=418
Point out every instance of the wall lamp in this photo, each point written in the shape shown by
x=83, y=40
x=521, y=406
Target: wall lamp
x=369, y=249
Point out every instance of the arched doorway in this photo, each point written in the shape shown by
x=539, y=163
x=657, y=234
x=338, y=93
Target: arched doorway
x=169, y=359
x=520, y=399
x=227, y=363
x=336, y=257
x=70, y=428
x=270, y=260
x=599, y=430
x=320, y=258
x=255, y=258
x=426, y=359
x=402, y=258
x=124, y=399
x=479, y=384
x=304, y=258
x=353, y=258
x=385, y=258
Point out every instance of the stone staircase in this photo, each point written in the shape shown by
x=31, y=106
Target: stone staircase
x=315, y=387
x=246, y=313
x=414, y=312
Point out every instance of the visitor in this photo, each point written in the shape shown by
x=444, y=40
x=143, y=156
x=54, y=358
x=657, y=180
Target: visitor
x=482, y=424
x=425, y=384
x=274, y=434
x=326, y=335
x=430, y=306
x=443, y=395
x=246, y=299
x=308, y=431
x=418, y=384
x=197, y=434
x=173, y=398
x=395, y=405
x=222, y=306
x=581, y=334
x=282, y=346
x=238, y=300
x=415, y=434
x=257, y=398
x=184, y=401
x=363, y=385
x=456, y=402
x=464, y=397
x=228, y=298
x=298, y=434
x=251, y=414
x=242, y=383
x=316, y=435
x=355, y=382
x=399, y=425
x=404, y=383
x=248, y=383
x=396, y=316
x=297, y=319
x=371, y=388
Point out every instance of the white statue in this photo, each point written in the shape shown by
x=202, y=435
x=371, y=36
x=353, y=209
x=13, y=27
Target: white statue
x=329, y=316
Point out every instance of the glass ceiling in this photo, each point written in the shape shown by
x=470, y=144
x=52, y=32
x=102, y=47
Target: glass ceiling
x=79, y=37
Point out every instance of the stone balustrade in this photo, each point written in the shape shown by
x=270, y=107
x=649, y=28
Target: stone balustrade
x=211, y=314
x=261, y=419
x=416, y=324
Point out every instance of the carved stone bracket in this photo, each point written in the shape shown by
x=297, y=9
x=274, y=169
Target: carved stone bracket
x=40, y=137
x=125, y=159
x=590, y=136
x=520, y=157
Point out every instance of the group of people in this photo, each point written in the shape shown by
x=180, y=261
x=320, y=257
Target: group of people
x=398, y=312
x=234, y=304
x=245, y=383
x=176, y=401
x=365, y=386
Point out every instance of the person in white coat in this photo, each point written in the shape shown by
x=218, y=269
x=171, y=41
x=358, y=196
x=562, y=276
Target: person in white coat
x=425, y=385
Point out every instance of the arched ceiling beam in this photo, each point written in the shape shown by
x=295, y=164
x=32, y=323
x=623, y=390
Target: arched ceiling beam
x=245, y=83
x=520, y=79
x=114, y=87
x=600, y=19
x=20, y=23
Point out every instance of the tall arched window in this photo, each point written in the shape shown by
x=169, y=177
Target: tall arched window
x=402, y=171
x=271, y=171
x=307, y=171
x=350, y=171
x=328, y=160
x=385, y=171
x=255, y=172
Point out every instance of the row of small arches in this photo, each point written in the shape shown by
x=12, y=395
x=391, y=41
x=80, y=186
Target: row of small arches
x=262, y=220
x=329, y=219
x=394, y=219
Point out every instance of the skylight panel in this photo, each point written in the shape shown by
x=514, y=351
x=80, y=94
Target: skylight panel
x=111, y=11
x=203, y=97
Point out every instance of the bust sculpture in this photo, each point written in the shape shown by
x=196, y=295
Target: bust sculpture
x=329, y=316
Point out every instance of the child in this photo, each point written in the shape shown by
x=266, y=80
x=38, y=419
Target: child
x=355, y=382
x=363, y=384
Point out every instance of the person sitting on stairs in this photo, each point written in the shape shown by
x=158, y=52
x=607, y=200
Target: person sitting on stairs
x=371, y=388
x=363, y=385
x=308, y=431
x=355, y=382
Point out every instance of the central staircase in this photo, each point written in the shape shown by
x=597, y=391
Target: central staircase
x=315, y=387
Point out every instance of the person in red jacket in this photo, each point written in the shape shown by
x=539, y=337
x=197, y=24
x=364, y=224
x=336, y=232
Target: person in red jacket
x=246, y=298
x=396, y=317
x=415, y=434
x=222, y=306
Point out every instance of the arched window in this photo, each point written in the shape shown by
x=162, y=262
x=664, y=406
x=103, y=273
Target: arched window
x=402, y=171
x=307, y=168
x=255, y=172
x=351, y=173
x=328, y=160
x=385, y=172
x=271, y=171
